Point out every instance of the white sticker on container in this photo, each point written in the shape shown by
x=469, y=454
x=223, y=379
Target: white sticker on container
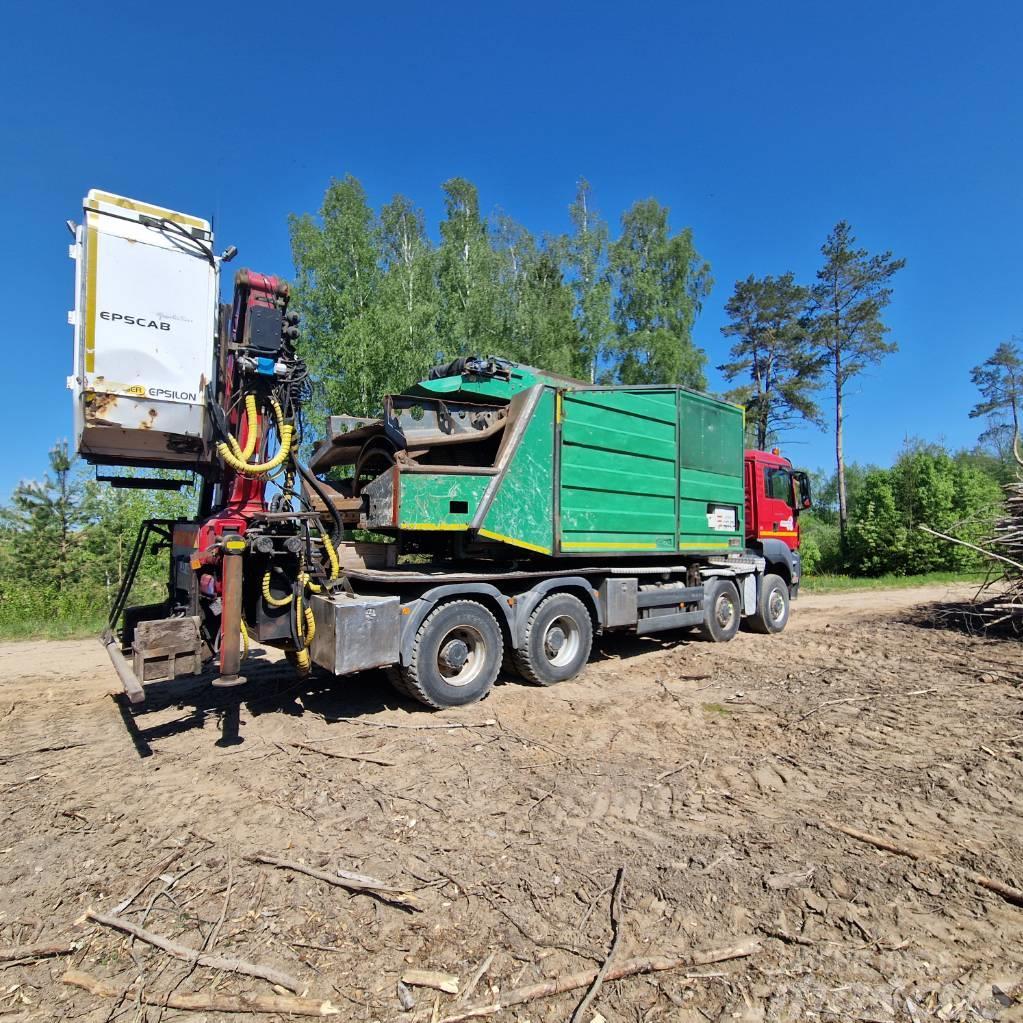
x=721, y=518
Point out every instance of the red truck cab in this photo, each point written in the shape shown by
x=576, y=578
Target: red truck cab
x=775, y=495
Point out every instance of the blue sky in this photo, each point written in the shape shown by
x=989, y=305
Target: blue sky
x=760, y=125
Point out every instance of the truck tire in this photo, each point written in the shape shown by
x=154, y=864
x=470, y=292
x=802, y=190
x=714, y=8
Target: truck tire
x=722, y=610
x=455, y=657
x=772, y=613
x=556, y=642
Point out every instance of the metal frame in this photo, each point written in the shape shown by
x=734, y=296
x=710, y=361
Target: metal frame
x=512, y=441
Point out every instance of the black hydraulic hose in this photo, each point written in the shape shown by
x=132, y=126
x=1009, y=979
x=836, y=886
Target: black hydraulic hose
x=309, y=476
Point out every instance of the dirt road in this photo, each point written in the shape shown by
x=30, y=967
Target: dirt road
x=713, y=774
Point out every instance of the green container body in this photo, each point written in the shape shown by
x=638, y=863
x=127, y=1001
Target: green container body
x=599, y=471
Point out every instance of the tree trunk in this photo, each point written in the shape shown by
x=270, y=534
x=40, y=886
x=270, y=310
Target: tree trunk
x=843, y=511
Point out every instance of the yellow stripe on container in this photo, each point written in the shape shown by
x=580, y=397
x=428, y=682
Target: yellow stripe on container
x=433, y=525
x=140, y=207
x=92, y=260
x=515, y=543
x=601, y=545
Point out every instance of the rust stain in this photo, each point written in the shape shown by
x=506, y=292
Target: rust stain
x=147, y=424
x=99, y=406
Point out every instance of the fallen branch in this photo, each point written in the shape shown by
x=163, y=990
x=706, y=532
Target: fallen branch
x=789, y=939
x=368, y=886
x=204, y=1001
x=856, y=699
x=616, y=934
x=363, y=757
x=40, y=749
x=159, y=869
x=972, y=546
x=474, y=980
x=1000, y=888
x=194, y=955
x=35, y=951
x=447, y=982
x=629, y=968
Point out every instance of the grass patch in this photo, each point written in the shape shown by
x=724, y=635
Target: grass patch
x=715, y=708
x=53, y=628
x=839, y=583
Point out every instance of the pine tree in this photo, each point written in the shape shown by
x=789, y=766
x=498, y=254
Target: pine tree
x=770, y=324
x=999, y=379
x=852, y=291
x=43, y=524
x=660, y=282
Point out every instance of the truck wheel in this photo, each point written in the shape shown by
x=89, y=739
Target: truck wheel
x=772, y=607
x=722, y=610
x=557, y=641
x=455, y=658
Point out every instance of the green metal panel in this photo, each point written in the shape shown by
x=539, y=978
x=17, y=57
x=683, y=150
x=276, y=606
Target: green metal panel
x=522, y=511
x=434, y=501
x=711, y=477
x=619, y=469
x=641, y=470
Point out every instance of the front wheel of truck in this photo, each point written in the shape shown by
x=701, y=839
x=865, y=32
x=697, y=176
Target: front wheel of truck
x=455, y=657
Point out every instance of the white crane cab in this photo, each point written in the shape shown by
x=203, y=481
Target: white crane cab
x=146, y=297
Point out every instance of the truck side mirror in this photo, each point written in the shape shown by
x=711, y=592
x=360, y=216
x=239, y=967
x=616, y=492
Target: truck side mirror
x=802, y=482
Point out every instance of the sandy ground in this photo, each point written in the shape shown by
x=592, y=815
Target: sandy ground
x=712, y=774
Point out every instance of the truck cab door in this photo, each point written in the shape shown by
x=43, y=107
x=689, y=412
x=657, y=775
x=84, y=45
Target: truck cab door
x=776, y=514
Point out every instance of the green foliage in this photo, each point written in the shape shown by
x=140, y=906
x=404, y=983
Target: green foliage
x=337, y=283
x=381, y=303
x=406, y=311
x=660, y=282
x=928, y=487
x=770, y=323
x=819, y=544
x=586, y=252
x=65, y=541
x=844, y=583
x=467, y=276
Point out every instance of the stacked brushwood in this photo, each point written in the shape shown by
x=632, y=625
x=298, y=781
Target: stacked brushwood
x=998, y=606
x=1007, y=540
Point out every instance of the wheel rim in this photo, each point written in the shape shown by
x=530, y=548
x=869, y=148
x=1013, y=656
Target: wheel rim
x=561, y=641
x=462, y=655
x=776, y=605
x=724, y=611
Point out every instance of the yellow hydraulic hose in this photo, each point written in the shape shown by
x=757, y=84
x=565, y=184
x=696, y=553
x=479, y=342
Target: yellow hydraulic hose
x=253, y=428
x=270, y=598
x=234, y=455
x=245, y=638
x=307, y=581
x=304, y=625
x=335, y=567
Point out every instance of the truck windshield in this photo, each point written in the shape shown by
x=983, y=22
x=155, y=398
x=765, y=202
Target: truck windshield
x=778, y=484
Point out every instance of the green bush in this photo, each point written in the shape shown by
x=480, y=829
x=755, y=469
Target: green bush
x=819, y=545
x=925, y=487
